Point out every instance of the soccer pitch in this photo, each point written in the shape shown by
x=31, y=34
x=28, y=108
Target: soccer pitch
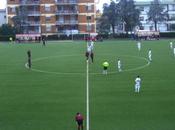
x=48, y=96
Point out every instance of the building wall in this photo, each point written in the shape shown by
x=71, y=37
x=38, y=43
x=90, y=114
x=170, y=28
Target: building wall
x=2, y=16
x=87, y=9
x=12, y=2
x=58, y=15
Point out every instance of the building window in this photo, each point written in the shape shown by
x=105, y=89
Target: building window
x=88, y=7
x=48, y=28
x=172, y=27
x=89, y=28
x=141, y=8
x=141, y=18
x=60, y=8
x=88, y=18
x=173, y=7
x=48, y=18
x=13, y=10
x=141, y=27
x=47, y=8
x=151, y=27
x=171, y=17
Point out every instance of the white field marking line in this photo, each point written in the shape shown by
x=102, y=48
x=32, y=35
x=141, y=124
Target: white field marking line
x=26, y=65
x=51, y=72
x=64, y=73
x=87, y=95
x=61, y=41
x=132, y=69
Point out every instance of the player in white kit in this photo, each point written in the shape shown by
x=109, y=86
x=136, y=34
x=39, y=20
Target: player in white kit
x=119, y=65
x=174, y=51
x=150, y=55
x=137, y=84
x=89, y=52
x=171, y=45
x=139, y=45
x=92, y=44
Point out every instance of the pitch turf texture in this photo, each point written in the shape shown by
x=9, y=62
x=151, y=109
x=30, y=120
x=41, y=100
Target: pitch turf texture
x=49, y=100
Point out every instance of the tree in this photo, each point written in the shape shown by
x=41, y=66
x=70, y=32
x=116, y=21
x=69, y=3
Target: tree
x=20, y=20
x=129, y=14
x=103, y=26
x=156, y=13
x=110, y=16
x=122, y=12
x=7, y=30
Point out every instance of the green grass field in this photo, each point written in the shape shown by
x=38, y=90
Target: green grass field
x=49, y=96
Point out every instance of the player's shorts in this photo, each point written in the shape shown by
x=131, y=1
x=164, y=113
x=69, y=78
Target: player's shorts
x=105, y=68
x=80, y=122
x=92, y=54
x=87, y=54
x=29, y=61
x=137, y=86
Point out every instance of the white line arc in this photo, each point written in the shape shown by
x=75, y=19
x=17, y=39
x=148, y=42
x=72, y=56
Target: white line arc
x=91, y=73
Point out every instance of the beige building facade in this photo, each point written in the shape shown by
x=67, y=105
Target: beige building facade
x=50, y=17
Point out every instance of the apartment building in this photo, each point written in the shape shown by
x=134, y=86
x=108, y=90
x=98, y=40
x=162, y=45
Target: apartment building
x=2, y=16
x=164, y=26
x=54, y=17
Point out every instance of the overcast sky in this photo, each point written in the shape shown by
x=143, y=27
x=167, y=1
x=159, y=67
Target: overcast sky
x=99, y=5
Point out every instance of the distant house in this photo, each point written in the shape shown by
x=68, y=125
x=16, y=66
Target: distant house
x=144, y=6
x=164, y=26
x=2, y=16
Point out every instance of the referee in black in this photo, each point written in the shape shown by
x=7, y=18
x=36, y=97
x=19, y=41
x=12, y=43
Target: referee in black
x=29, y=59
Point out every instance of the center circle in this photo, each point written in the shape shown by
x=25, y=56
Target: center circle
x=76, y=64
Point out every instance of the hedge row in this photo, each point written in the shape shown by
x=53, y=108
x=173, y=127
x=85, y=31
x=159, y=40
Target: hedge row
x=6, y=38
x=167, y=35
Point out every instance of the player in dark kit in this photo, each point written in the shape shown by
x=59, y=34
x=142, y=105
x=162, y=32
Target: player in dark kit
x=89, y=54
x=44, y=41
x=92, y=57
x=29, y=59
x=79, y=119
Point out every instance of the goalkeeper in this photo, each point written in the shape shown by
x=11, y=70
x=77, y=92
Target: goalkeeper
x=105, y=67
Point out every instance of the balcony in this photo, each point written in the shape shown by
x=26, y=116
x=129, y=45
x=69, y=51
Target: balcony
x=29, y=2
x=67, y=22
x=34, y=23
x=34, y=13
x=66, y=2
x=66, y=12
x=31, y=23
x=67, y=31
x=34, y=32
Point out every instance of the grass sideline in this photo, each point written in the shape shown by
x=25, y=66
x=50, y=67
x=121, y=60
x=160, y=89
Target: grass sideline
x=40, y=101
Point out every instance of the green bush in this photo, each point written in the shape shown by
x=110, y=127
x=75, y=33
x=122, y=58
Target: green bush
x=167, y=34
x=6, y=37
